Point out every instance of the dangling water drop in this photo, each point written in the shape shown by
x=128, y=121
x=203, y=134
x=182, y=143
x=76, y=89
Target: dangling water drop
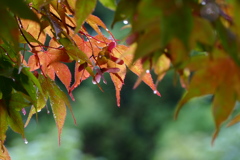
x=78, y=61
x=155, y=92
x=25, y=141
x=125, y=22
x=107, y=29
x=147, y=71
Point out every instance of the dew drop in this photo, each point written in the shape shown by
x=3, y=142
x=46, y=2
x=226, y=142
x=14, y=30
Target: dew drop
x=39, y=110
x=147, y=71
x=78, y=61
x=57, y=38
x=30, y=7
x=25, y=141
x=107, y=29
x=155, y=92
x=98, y=42
x=6, y=54
x=59, y=1
x=125, y=22
x=203, y=2
x=94, y=82
x=48, y=112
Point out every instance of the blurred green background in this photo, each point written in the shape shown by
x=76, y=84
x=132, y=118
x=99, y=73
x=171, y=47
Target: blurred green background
x=141, y=129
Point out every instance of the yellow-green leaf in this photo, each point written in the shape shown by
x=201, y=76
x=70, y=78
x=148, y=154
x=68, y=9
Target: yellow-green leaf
x=83, y=9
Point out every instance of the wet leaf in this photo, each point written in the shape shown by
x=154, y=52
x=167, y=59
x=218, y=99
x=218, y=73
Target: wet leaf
x=118, y=78
x=19, y=101
x=15, y=121
x=58, y=101
x=3, y=123
x=83, y=9
x=137, y=67
x=111, y=4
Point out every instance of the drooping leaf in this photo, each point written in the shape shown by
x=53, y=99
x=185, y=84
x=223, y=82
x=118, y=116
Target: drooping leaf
x=29, y=86
x=58, y=101
x=80, y=75
x=137, y=67
x=15, y=121
x=83, y=9
x=117, y=81
x=3, y=123
x=41, y=103
x=111, y=4
x=19, y=101
x=223, y=104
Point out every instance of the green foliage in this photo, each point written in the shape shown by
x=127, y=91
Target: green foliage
x=198, y=40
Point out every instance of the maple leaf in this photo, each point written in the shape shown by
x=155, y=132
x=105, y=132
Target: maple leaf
x=50, y=63
x=218, y=76
x=136, y=67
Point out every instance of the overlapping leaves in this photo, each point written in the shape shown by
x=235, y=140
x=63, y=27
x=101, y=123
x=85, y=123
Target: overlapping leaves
x=53, y=33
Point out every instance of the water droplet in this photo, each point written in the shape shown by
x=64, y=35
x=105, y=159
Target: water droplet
x=210, y=11
x=59, y=1
x=203, y=2
x=54, y=116
x=6, y=54
x=107, y=29
x=48, y=112
x=13, y=79
x=155, y=92
x=79, y=61
x=57, y=38
x=39, y=110
x=98, y=42
x=125, y=22
x=30, y=7
x=94, y=82
x=147, y=71
x=25, y=141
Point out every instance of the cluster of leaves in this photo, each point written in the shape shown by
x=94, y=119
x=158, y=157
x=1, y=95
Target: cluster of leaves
x=199, y=40
x=53, y=33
